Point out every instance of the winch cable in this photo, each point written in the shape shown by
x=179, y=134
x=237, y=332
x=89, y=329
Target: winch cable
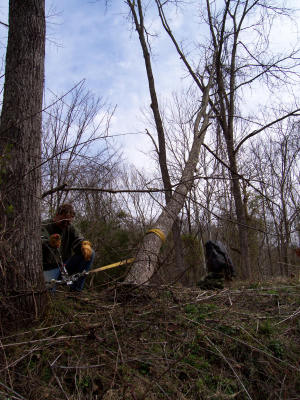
x=70, y=279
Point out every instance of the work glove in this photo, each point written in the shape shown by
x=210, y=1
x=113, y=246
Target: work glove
x=86, y=249
x=55, y=240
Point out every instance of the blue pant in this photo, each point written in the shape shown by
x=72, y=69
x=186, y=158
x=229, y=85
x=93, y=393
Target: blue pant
x=76, y=264
x=51, y=274
x=73, y=265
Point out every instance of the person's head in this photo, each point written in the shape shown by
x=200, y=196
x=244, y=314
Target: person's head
x=64, y=215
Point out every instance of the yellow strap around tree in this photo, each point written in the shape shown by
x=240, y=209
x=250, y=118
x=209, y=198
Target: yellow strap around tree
x=159, y=233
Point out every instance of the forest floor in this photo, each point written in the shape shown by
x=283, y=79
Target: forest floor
x=241, y=342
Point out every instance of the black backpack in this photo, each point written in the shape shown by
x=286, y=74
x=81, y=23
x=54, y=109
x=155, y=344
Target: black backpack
x=217, y=259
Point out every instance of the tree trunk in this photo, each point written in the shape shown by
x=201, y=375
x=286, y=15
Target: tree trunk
x=178, y=250
x=147, y=257
x=138, y=18
x=286, y=233
x=240, y=211
x=22, y=285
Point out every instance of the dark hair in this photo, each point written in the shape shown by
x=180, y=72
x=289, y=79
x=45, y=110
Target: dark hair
x=66, y=209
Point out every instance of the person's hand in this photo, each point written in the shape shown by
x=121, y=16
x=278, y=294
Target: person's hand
x=86, y=249
x=55, y=240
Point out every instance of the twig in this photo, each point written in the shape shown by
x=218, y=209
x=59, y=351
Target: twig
x=158, y=378
x=44, y=340
x=12, y=391
x=6, y=362
x=230, y=366
x=281, y=386
x=290, y=317
x=201, y=295
x=115, y=372
x=57, y=380
x=291, y=265
x=37, y=330
x=116, y=335
x=251, y=336
x=165, y=394
x=79, y=367
x=244, y=343
x=248, y=290
x=201, y=299
x=53, y=362
x=20, y=359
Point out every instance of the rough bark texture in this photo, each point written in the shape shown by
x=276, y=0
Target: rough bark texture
x=22, y=285
x=240, y=212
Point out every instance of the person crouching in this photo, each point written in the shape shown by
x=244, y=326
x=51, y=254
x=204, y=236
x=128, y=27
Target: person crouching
x=64, y=246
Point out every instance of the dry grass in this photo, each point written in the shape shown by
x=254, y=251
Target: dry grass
x=242, y=342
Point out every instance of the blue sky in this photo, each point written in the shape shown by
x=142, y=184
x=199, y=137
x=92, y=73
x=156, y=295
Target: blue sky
x=87, y=41
x=92, y=44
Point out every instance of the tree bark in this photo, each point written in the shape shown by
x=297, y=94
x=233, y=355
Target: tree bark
x=21, y=279
x=240, y=215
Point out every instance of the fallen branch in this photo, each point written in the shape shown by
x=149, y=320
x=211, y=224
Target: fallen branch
x=44, y=340
x=230, y=366
x=295, y=313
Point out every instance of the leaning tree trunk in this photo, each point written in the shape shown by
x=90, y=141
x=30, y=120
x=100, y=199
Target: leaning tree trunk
x=23, y=295
x=147, y=257
x=138, y=18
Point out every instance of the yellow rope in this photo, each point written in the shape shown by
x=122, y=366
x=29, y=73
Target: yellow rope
x=117, y=264
x=159, y=233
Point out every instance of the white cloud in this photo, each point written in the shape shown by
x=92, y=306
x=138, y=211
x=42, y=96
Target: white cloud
x=99, y=46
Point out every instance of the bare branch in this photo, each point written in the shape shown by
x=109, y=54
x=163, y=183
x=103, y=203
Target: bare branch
x=291, y=114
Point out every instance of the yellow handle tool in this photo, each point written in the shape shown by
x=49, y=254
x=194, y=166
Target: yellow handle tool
x=117, y=264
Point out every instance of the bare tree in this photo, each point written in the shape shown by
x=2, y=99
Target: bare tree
x=143, y=208
x=76, y=148
x=137, y=12
x=239, y=64
x=276, y=163
x=243, y=59
x=22, y=285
